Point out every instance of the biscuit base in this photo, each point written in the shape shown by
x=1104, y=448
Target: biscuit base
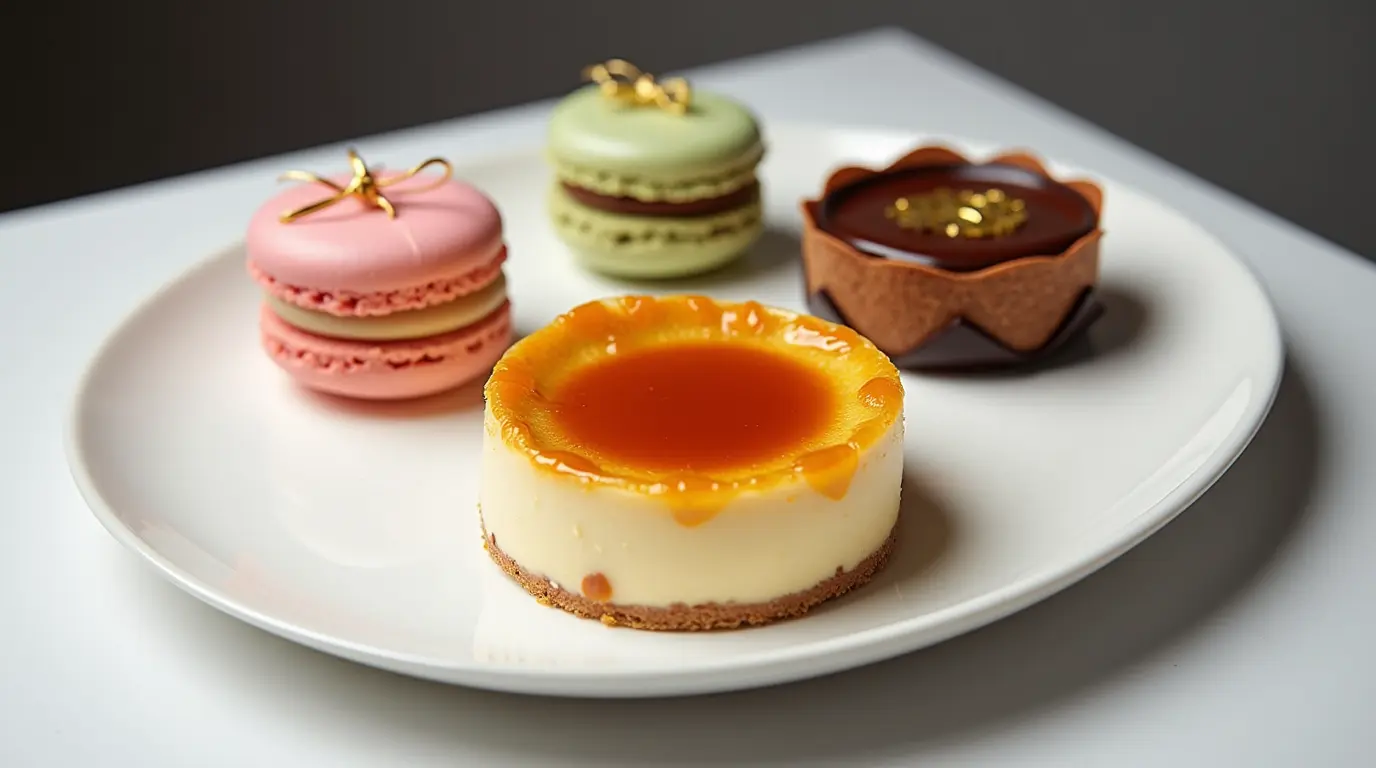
x=695, y=618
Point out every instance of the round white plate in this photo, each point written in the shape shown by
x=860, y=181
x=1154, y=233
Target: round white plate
x=352, y=528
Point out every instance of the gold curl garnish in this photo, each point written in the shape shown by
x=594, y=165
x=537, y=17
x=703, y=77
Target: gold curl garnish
x=364, y=185
x=623, y=81
x=991, y=213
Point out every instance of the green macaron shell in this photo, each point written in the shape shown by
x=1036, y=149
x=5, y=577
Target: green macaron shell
x=596, y=141
x=643, y=247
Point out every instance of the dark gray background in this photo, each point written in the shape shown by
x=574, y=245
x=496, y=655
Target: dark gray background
x=1269, y=98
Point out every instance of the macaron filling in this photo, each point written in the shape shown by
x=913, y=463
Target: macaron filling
x=407, y=324
x=348, y=302
x=631, y=206
x=295, y=347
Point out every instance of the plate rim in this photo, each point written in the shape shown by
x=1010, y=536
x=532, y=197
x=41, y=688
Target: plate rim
x=747, y=670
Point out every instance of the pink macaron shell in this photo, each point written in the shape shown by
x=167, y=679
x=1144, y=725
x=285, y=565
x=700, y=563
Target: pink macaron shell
x=387, y=370
x=438, y=234
x=353, y=304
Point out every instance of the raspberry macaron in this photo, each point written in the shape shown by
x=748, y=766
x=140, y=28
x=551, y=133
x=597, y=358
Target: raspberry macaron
x=381, y=286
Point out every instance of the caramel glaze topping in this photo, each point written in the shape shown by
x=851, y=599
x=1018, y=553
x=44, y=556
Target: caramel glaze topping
x=673, y=407
x=694, y=401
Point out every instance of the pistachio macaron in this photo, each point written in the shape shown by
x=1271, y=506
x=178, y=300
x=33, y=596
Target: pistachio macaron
x=653, y=180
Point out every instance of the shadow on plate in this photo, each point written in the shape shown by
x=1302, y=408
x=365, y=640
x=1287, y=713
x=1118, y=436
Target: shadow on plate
x=1124, y=323
x=926, y=532
x=466, y=398
x=1149, y=599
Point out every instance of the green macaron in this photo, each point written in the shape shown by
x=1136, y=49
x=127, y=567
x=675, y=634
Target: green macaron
x=654, y=189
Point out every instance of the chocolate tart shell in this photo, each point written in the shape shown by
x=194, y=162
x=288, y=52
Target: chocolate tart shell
x=927, y=316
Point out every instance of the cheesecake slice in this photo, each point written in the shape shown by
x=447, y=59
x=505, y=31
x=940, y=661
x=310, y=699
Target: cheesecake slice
x=676, y=463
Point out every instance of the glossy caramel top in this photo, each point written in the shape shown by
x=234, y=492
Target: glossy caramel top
x=694, y=406
x=692, y=400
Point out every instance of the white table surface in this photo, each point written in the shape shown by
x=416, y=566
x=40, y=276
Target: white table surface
x=1242, y=634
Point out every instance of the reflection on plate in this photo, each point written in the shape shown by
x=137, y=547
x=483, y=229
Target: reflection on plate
x=351, y=527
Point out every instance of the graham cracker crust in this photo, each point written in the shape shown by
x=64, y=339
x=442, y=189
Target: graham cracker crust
x=696, y=618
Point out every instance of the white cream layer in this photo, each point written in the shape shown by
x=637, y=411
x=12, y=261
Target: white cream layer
x=396, y=326
x=761, y=546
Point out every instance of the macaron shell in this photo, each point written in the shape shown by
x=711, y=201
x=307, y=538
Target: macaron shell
x=591, y=131
x=667, y=264
x=387, y=370
x=645, y=247
x=438, y=234
x=408, y=324
x=354, y=304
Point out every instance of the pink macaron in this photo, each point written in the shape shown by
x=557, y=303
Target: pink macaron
x=383, y=300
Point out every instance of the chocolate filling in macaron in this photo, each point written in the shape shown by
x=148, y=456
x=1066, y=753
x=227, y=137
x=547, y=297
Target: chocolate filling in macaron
x=632, y=207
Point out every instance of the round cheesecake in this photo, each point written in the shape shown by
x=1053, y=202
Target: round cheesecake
x=676, y=463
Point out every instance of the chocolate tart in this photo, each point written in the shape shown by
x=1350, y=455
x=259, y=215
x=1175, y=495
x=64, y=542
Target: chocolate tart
x=946, y=263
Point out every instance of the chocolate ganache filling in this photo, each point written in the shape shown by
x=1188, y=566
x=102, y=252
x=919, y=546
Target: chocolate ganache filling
x=957, y=217
x=630, y=206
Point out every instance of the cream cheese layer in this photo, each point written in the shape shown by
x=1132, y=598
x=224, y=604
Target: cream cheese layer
x=760, y=546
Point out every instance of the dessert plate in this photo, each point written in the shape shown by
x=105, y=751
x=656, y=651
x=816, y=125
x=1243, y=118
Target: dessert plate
x=351, y=528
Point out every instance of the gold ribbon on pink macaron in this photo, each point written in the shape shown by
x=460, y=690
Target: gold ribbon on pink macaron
x=364, y=185
x=623, y=81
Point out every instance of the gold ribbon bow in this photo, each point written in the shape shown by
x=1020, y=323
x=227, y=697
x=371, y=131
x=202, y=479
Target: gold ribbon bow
x=623, y=81
x=363, y=185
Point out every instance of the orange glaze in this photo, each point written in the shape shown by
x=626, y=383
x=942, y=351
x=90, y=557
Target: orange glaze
x=596, y=587
x=694, y=401
x=693, y=407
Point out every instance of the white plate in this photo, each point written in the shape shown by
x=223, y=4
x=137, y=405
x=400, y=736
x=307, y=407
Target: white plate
x=353, y=529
